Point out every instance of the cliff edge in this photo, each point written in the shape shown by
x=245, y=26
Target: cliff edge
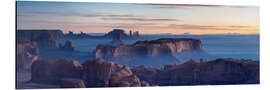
x=161, y=51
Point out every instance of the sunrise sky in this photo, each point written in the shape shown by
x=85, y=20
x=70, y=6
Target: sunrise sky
x=145, y=18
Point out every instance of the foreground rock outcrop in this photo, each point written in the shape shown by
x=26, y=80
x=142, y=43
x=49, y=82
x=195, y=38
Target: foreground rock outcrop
x=216, y=72
x=26, y=54
x=72, y=83
x=98, y=73
x=145, y=73
x=161, y=51
x=52, y=71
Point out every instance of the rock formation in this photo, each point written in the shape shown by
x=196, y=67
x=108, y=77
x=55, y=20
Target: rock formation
x=54, y=70
x=45, y=40
x=116, y=39
x=161, y=51
x=27, y=35
x=72, y=83
x=69, y=46
x=216, y=72
x=26, y=54
x=98, y=73
x=123, y=77
x=145, y=73
x=112, y=34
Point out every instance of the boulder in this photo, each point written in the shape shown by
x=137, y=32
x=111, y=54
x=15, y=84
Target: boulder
x=53, y=70
x=72, y=83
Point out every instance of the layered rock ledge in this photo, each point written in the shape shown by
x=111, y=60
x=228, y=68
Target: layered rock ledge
x=161, y=51
x=99, y=73
x=221, y=71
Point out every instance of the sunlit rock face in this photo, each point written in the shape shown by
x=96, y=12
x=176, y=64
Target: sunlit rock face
x=26, y=54
x=54, y=70
x=161, y=51
x=99, y=73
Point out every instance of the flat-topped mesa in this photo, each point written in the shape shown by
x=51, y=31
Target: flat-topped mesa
x=116, y=32
x=179, y=44
x=34, y=33
x=161, y=51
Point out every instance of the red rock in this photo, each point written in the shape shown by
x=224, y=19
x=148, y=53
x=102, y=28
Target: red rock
x=98, y=73
x=162, y=51
x=145, y=73
x=72, y=83
x=220, y=71
x=53, y=70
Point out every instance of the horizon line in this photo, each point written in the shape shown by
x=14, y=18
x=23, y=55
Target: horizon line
x=185, y=33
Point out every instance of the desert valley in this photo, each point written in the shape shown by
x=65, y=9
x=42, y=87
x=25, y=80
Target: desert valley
x=49, y=59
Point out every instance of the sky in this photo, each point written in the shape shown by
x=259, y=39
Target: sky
x=92, y=17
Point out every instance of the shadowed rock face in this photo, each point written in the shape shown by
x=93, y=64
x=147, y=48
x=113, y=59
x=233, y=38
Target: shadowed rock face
x=69, y=46
x=146, y=74
x=45, y=40
x=26, y=54
x=116, y=32
x=98, y=73
x=162, y=51
x=216, y=72
x=72, y=83
x=52, y=71
x=28, y=35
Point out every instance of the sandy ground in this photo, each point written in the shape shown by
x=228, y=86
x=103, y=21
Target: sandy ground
x=23, y=78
